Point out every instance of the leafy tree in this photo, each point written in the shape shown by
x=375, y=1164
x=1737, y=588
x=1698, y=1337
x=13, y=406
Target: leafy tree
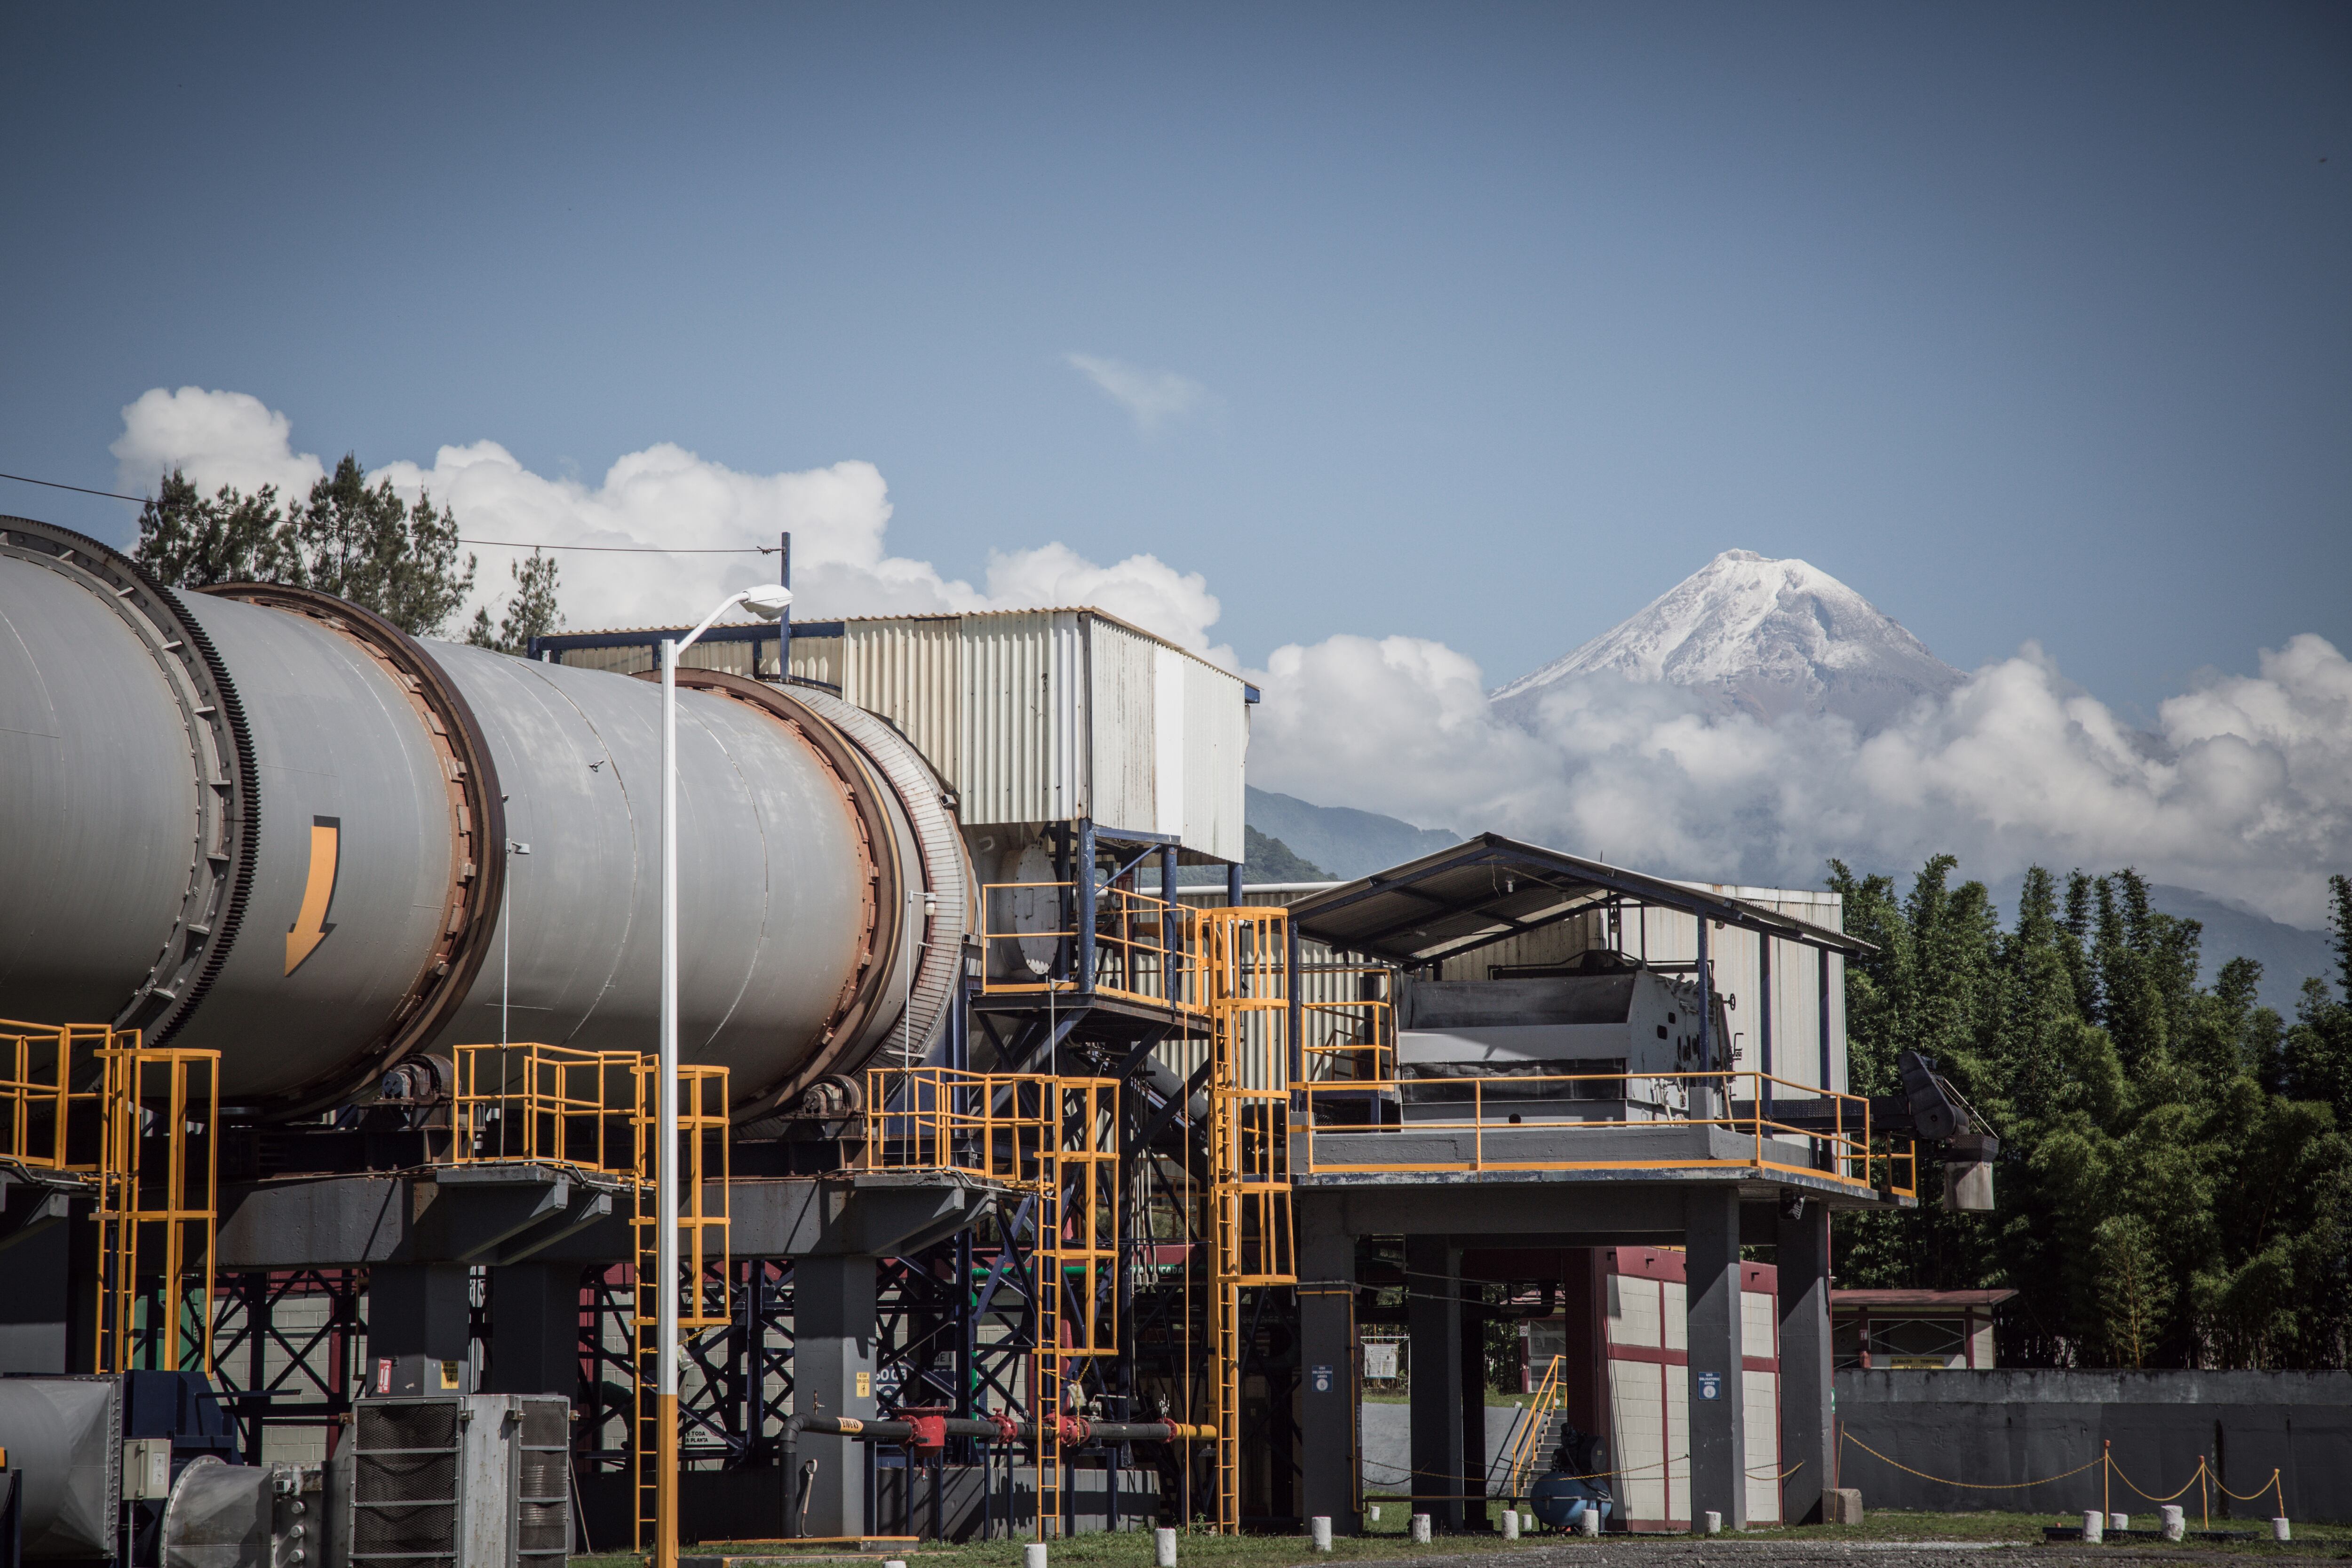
x=190, y=540
x=531, y=613
x=2175, y=1189
x=367, y=545
x=356, y=541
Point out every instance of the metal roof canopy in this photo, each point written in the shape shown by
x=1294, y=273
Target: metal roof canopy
x=1492, y=889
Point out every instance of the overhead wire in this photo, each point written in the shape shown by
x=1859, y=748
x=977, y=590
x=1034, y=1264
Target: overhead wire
x=500, y=543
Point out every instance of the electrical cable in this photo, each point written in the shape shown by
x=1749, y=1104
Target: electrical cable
x=501, y=543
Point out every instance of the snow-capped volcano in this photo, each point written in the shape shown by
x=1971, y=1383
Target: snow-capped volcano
x=1764, y=636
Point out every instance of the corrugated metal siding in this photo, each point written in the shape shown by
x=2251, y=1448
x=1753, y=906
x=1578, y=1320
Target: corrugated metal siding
x=1215, y=745
x=1016, y=763
x=727, y=658
x=1122, y=700
x=910, y=671
x=817, y=658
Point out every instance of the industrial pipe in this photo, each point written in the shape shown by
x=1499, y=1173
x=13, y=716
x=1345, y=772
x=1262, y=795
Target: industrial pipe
x=262, y=820
x=929, y=1431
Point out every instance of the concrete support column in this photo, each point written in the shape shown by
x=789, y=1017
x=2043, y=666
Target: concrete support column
x=1474, y=1420
x=1718, y=1448
x=534, y=1329
x=1326, y=1352
x=1434, y=1321
x=1805, y=1360
x=832, y=1374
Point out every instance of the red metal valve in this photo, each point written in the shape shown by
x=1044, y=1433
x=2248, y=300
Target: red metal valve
x=1005, y=1430
x=929, y=1424
x=1075, y=1431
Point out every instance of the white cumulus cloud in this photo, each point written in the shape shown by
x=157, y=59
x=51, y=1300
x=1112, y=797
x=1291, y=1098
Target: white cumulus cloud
x=1151, y=397
x=669, y=498
x=2244, y=788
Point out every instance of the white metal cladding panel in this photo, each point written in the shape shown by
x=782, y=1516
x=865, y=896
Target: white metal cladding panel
x=1020, y=750
x=728, y=658
x=1167, y=736
x=1217, y=743
x=817, y=658
x=1554, y=943
x=910, y=670
x=1761, y=1421
x=1634, y=1311
x=1120, y=717
x=1637, y=1408
x=626, y=661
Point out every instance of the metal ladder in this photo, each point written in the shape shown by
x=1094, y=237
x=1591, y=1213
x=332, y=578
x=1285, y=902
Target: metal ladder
x=1249, y=1150
x=703, y=1129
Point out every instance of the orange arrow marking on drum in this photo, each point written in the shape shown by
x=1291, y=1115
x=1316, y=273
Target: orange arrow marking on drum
x=311, y=928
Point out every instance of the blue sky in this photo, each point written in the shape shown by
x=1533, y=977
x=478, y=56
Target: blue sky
x=1489, y=323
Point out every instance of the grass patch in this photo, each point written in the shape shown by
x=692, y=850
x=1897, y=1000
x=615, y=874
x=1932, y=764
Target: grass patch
x=1387, y=1540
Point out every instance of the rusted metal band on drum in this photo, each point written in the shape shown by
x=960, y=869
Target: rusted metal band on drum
x=868, y=990
x=229, y=793
x=477, y=835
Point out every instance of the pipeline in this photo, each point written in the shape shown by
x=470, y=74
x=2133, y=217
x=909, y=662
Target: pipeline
x=925, y=1433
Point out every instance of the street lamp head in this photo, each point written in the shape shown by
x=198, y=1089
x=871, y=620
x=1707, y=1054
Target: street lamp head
x=768, y=601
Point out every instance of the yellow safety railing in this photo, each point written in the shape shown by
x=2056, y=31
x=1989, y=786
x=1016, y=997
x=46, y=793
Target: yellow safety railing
x=993, y=1127
x=1849, y=1151
x=702, y=1152
x=1353, y=1039
x=52, y=1092
x=1526, y=1448
x=1144, y=948
x=546, y=1105
x=158, y=1209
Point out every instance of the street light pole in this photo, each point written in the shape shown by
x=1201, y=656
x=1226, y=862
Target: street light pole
x=768, y=602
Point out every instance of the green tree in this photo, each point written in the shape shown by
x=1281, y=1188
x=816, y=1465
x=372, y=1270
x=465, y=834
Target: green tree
x=531, y=613
x=2174, y=1189
x=363, y=543
x=191, y=541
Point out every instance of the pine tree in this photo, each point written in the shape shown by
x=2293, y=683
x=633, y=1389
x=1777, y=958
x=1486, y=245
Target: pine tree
x=189, y=541
x=531, y=613
x=366, y=545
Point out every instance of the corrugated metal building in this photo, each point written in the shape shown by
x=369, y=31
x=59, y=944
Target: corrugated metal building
x=1029, y=717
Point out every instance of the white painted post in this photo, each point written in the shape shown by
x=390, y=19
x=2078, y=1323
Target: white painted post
x=1588, y=1524
x=2279, y=1531
x=2176, y=1522
x=1375, y=1512
x=1420, y=1529
x=1163, y=1543
x=1714, y=1522
x=1510, y=1524
x=1033, y=1555
x=1320, y=1528
x=2118, y=1521
x=2095, y=1526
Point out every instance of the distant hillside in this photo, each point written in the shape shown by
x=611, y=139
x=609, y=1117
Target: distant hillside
x=1264, y=859
x=1345, y=842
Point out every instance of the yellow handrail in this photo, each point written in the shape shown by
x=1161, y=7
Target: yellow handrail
x=1528, y=1449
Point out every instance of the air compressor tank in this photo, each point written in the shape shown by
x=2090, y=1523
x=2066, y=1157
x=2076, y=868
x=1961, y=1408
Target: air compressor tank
x=262, y=820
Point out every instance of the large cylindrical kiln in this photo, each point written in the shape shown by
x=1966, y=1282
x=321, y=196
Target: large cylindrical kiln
x=261, y=820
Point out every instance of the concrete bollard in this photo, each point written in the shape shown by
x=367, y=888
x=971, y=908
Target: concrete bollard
x=2176, y=1522
x=1034, y=1555
x=894, y=1562
x=1320, y=1528
x=1420, y=1529
x=1588, y=1522
x=2095, y=1526
x=2118, y=1521
x=1375, y=1512
x=2279, y=1531
x=1714, y=1522
x=1510, y=1524
x=1163, y=1546
x=1527, y=1524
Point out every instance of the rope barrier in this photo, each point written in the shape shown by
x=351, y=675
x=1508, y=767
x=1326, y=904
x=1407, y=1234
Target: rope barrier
x=2274, y=1485
x=2151, y=1497
x=1968, y=1486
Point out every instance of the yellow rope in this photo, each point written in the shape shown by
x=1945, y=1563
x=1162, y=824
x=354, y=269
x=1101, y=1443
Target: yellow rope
x=2268, y=1486
x=1975, y=1486
x=2151, y=1497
